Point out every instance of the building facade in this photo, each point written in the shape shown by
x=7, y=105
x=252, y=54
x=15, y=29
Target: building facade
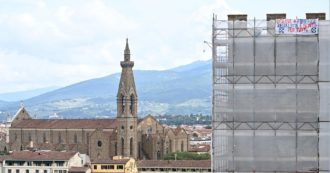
x=271, y=94
x=126, y=135
x=177, y=166
x=115, y=165
x=43, y=162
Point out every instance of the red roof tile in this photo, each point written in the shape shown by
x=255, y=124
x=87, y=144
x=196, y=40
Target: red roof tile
x=40, y=155
x=110, y=161
x=67, y=123
x=78, y=169
x=174, y=164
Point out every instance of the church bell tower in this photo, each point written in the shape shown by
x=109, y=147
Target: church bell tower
x=127, y=109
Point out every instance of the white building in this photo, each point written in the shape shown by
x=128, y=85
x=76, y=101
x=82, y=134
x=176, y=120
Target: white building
x=43, y=162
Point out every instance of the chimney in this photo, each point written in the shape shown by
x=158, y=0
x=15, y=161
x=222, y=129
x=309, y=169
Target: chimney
x=233, y=17
x=274, y=16
x=320, y=16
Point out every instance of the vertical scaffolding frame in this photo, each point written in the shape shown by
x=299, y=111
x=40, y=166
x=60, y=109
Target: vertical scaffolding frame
x=271, y=98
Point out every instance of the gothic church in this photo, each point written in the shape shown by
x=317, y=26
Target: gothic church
x=126, y=135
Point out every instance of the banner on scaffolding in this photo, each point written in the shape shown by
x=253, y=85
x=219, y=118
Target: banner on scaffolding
x=297, y=26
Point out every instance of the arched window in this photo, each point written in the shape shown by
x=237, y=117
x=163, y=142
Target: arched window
x=75, y=138
x=44, y=139
x=131, y=107
x=122, y=103
x=87, y=138
x=116, y=149
x=158, y=155
x=131, y=147
x=171, y=150
x=181, y=146
x=122, y=146
x=59, y=138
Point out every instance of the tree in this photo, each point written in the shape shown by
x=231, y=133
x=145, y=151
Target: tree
x=187, y=156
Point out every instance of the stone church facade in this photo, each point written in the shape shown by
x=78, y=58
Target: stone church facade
x=101, y=138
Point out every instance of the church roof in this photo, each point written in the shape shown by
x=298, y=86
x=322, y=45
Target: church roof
x=67, y=123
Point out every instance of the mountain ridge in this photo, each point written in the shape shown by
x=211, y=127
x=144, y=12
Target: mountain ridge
x=181, y=90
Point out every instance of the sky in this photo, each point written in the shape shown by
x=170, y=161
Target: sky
x=46, y=43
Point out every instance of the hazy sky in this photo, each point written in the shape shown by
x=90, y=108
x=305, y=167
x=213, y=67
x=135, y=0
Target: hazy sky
x=60, y=42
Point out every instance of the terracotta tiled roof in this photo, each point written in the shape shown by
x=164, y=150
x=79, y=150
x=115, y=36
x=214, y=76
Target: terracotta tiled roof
x=110, y=161
x=78, y=169
x=4, y=157
x=67, y=123
x=40, y=155
x=174, y=164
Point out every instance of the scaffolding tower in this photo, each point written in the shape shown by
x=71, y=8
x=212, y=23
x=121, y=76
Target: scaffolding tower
x=271, y=97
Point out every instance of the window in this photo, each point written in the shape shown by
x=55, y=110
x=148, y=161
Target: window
x=131, y=107
x=87, y=136
x=30, y=138
x=104, y=167
x=115, y=148
x=95, y=167
x=9, y=171
x=171, y=145
x=181, y=146
x=37, y=163
x=111, y=166
x=17, y=170
x=59, y=138
x=120, y=167
x=59, y=163
x=75, y=139
x=122, y=127
x=99, y=143
x=29, y=163
x=37, y=171
x=131, y=127
x=122, y=146
x=122, y=103
x=158, y=155
x=44, y=139
x=45, y=171
x=9, y=163
x=60, y=171
x=131, y=146
x=149, y=130
x=15, y=136
x=27, y=171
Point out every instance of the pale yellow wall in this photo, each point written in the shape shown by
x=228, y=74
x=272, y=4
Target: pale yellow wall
x=115, y=170
x=129, y=167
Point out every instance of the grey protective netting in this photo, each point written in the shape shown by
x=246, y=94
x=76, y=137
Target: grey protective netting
x=271, y=98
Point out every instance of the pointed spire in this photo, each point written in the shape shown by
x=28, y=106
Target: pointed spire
x=22, y=104
x=127, y=52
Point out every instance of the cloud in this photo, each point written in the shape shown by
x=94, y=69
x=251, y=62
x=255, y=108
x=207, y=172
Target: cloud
x=45, y=43
x=59, y=44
